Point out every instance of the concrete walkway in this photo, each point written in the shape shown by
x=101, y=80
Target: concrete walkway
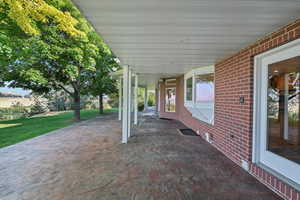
x=87, y=162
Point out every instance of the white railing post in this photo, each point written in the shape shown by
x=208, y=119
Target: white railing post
x=120, y=98
x=136, y=100
x=129, y=101
x=125, y=110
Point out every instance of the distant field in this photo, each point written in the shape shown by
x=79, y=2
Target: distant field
x=6, y=102
x=14, y=131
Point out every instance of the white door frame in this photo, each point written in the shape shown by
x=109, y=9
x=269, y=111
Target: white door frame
x=261, y=155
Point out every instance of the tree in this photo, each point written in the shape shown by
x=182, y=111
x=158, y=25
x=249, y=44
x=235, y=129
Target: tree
x=54, y=65
x=26, y=14
x=52, y=56
x=6, y=54
x=101, y=82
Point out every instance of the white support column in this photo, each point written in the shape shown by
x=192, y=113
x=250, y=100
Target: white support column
x=129, y=101
x=120, y=98
x=125, y=110
x=146, y=99
x=136, y=100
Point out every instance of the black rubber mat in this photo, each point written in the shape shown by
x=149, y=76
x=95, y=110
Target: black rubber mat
x=165, y=119
x=188, y=131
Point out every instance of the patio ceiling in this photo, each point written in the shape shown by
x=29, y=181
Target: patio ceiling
x=173, y=36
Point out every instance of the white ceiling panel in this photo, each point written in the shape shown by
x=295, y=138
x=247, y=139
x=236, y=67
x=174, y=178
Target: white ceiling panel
x=174, y=36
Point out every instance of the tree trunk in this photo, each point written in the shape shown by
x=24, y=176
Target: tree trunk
x=101, y=110
x=76, y=106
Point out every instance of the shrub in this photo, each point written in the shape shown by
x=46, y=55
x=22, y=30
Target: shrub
x=151, y=99
x=113, y=100
x=150, y=102
x=106, y=106
x=14, y=112
x=39, y=107
x=141, y=106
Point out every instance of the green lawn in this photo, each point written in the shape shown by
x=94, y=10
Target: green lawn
x=14, y=131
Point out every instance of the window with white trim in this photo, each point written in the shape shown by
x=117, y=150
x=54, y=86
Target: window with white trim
x=204, y=88
x=189, y=89
x=200, y=93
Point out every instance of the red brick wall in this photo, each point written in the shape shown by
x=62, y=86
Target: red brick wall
x=232, y=131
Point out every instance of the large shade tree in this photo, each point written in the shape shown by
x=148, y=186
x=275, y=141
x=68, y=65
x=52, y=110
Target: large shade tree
x=101, y=82
x=46, y=52
x=24, y=16
x=5, y=56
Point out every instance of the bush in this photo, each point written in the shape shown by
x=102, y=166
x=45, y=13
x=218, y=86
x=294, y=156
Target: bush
x=15, y=112
x=106, y=106
x=113, y=100
x=88, y=106
x=151, y=99
x=58, y=105
x=94, y=106
x=39, y=107
x=150, y=102
x=141, y=106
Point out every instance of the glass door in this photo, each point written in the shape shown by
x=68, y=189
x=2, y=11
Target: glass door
x=280, y=107
x=283, y=109
x=170, y=104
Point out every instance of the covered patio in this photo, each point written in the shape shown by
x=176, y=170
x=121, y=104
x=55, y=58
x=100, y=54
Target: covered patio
x=87, y=161
x=216, y=67
x=209, y=63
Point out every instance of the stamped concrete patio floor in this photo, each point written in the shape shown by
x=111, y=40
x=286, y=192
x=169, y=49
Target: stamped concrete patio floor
x=87, y=162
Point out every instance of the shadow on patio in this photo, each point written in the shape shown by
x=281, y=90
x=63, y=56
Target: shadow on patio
x=86, y=161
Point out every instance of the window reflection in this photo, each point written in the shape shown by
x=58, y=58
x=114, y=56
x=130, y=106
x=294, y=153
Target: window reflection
x=284, y=109
x=170, y=105
x=204, y=88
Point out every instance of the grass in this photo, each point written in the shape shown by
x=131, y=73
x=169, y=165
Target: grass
x=14, y=131
x=9, y=125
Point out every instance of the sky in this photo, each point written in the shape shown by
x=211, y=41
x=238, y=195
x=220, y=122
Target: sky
x=205, y=92
x=15, y=90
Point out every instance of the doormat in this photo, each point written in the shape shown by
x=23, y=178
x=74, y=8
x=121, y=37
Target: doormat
x=188, y=132
x=165, y=119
